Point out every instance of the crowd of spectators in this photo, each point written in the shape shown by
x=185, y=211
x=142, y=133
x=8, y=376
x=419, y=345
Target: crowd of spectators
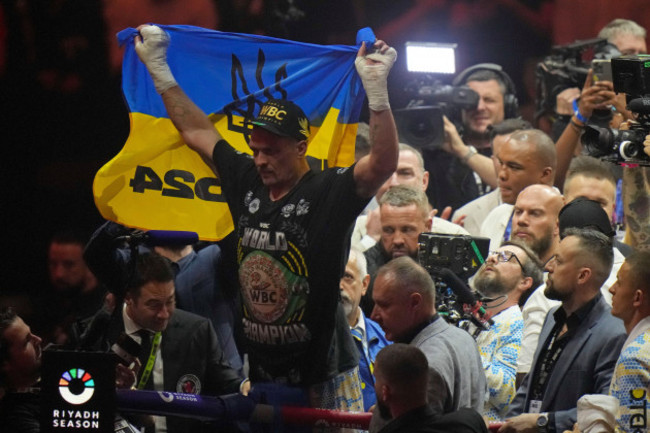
x=565, y=296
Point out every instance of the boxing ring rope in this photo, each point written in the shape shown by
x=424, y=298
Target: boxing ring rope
x=237, y=407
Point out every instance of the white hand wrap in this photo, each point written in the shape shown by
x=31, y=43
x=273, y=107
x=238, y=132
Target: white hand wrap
x=153, y=53
x=374, y=77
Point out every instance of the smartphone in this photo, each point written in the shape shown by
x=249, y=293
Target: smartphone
x=602, y=70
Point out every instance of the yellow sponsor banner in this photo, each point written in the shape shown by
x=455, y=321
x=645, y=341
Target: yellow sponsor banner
x=156, y=182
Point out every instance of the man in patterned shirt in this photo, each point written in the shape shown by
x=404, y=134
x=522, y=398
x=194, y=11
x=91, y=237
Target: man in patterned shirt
x=631, y=380
x=508, y=275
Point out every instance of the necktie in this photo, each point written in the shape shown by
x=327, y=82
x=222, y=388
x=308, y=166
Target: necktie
x=145, y=351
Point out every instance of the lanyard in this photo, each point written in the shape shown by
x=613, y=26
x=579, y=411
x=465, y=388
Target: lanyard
x=553, y=351
x=150, y=362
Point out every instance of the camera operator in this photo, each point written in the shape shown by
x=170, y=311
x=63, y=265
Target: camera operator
x=470, y=172
x=628, y=36
x=574, y=107
x=598, y=95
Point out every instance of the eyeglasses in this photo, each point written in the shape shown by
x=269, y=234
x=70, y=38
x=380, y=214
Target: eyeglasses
x=506, y=256
x=551, y=259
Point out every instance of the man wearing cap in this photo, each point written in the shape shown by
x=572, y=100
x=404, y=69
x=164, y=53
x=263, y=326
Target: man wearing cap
x=594, y=179
x=291, y=223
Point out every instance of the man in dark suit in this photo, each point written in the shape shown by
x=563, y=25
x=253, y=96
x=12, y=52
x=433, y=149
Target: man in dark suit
x=179, y=350
x=580, y=340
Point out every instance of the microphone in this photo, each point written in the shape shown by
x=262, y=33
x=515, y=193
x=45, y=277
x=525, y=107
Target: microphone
x=639, y=105
x=161, y=238
x=126, y=349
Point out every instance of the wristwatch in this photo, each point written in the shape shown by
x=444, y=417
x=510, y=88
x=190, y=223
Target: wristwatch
x=471, y=151
x=542, y=423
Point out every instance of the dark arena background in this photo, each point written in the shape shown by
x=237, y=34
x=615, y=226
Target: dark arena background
x=62, y=114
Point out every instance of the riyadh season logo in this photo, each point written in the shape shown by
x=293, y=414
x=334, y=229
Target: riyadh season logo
x=76, y=386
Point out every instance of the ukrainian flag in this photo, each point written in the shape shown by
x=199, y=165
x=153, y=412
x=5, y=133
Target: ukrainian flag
x=158, y=183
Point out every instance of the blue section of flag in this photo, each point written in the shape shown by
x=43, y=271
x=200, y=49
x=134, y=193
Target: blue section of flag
x=206, y=64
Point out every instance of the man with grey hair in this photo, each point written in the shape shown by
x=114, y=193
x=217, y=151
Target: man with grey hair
x=628, y=36
x=368, y=336
x=527, y=158
x=410, y=171
x=404, y=213
x=405, y=309
x=580, y=340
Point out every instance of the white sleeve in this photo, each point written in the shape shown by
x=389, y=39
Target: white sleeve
x=534, y=312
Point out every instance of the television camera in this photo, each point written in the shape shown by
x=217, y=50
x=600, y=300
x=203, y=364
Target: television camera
x=567, y=66
x=451, y=260
x=631, y=75
x=420, y=123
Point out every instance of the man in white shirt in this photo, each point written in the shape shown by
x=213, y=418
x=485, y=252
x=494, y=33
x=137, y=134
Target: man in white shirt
x=182, y=353
x=473, y=213
x=527, y=158
x=535, y=223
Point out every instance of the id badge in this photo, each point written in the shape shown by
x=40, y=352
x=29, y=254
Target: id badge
x=535, y=406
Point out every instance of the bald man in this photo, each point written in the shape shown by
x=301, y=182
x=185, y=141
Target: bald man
x=527, y=158
x=473, y=213
x=538, y=209
x=535, y=219
x=535, y=224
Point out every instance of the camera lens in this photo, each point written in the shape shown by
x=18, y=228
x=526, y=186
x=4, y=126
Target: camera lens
x=629, y=150
x=598, y=141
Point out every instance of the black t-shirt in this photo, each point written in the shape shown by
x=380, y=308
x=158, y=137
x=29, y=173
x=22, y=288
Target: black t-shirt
x=291, y=254
x=424, y=420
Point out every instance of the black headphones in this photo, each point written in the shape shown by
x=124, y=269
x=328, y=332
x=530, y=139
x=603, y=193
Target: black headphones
x=510, y=103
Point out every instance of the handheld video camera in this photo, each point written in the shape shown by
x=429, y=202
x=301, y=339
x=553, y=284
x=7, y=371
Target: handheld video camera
x=420, y=124
x=567, y=66
x=631, y=75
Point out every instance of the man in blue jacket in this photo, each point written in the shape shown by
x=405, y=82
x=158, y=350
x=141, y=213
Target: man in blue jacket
x=367, y=334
